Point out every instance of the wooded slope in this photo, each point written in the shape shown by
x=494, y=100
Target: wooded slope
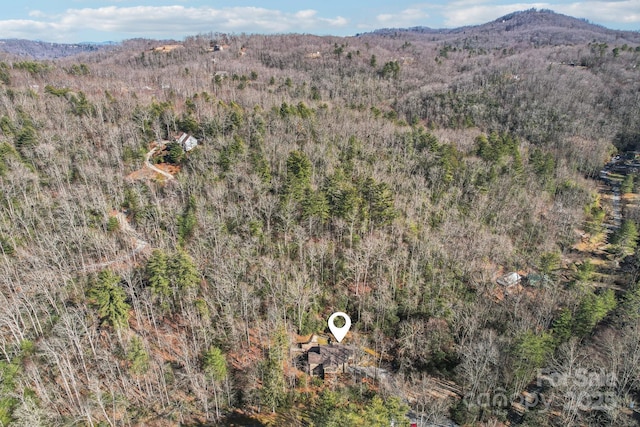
x=391, y=177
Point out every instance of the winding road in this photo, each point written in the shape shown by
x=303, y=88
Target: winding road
x=140, y=245
x=125, y=226
x=148, y=164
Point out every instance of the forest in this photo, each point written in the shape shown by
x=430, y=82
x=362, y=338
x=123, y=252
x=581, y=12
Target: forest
x=395, y=176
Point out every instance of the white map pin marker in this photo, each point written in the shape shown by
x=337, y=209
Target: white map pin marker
x=337, y=332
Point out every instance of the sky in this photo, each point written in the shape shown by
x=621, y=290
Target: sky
x=75, y=21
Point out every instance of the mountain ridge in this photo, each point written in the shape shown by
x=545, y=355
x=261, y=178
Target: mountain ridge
x=528, y=25
x=532, y=26
x=38, y=49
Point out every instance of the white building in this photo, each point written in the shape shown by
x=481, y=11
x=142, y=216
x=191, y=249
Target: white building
x=187, y=141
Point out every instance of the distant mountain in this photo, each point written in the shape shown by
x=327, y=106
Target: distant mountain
x=532, y=27
x=46, y=50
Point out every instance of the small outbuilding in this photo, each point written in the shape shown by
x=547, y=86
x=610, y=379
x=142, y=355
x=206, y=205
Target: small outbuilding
x=510, y=279
x=187, y=141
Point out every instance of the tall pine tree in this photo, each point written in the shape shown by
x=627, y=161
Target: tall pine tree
x=157, y=274
x=183, y=273
x=110, y=300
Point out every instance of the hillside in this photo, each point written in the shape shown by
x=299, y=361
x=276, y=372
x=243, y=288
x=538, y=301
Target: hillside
x=530, y=28
x=400, y=177
x=45, y=50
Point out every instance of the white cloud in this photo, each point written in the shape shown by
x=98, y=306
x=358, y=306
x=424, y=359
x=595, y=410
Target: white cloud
x=166, y=21
x=338, y=21
x=406, y=18
x=604, y=11
x=305, y=14
x=23, y=28
x=36, y=14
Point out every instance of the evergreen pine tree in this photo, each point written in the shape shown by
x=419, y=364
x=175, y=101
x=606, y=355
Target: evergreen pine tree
x=298, y=174
x=627, y=184
x=187, y=221
x=626, y=238
x=137, y=357
x=183, y=273
x=214, y=364
x=563, y=326
x=110, y=300
x=273, y=385
x=215, y=368
x=592, y=309
x=157, y=274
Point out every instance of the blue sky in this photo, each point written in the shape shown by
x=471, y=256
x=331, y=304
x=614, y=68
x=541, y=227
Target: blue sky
x=72, y=21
